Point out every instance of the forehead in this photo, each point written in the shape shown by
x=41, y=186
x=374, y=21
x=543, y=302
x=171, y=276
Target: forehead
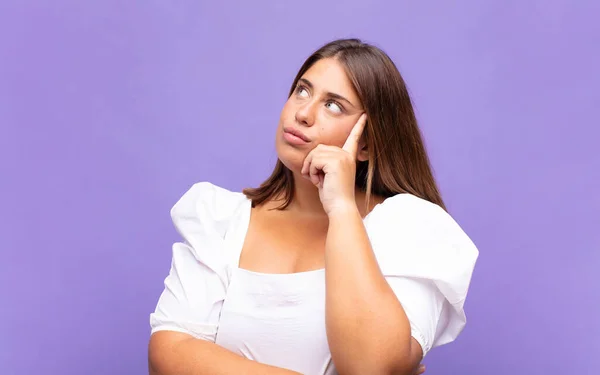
x=329, y=75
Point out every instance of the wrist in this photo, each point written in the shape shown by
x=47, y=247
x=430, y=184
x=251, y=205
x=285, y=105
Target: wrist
x=343, y=210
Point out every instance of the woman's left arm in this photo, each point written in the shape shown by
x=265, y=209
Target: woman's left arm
x=367, y=328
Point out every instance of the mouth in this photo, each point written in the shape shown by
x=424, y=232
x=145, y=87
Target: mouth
x=295, y=136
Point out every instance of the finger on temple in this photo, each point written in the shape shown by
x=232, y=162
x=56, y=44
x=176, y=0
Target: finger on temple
x=351, y=144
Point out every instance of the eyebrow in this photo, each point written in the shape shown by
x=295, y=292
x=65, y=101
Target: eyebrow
x=329, y=94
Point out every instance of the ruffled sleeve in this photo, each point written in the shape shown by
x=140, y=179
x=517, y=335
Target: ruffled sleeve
x=197, y=282
x=428, y=260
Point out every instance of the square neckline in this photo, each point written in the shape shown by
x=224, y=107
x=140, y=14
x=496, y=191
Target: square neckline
x=242, y=228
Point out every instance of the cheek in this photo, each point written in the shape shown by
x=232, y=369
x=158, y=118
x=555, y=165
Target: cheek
x=288, y=111
x=335, y=133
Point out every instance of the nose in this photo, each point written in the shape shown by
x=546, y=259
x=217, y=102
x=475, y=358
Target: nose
x=305, y=114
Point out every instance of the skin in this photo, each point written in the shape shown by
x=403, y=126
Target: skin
x=321, y=228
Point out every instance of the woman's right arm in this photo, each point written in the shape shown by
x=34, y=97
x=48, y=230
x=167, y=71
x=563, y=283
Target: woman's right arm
x=185, y=323
x=175, y=353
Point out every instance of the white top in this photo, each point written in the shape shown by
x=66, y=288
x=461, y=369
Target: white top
x=279, y=319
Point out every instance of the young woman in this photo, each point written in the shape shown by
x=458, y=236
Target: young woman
x=343, y=261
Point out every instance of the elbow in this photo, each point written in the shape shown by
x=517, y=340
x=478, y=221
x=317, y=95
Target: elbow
x=399, y=360
x=366, y=367
x=404, y=368
x=164, y=351
x=156, y=355
x=153, y=361
x=399, y=365
x=406, y=363
x=379, y=363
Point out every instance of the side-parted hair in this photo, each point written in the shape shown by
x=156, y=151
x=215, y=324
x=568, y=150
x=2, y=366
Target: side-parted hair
x=398, y=161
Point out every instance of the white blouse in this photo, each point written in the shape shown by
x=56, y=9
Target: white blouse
x=279, y=319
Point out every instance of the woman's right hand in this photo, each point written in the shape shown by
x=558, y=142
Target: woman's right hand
x=420, y=369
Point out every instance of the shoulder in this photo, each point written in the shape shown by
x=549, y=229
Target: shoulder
x=429, y=259
x=409, y=212
x=415, y=237
x=207, y=204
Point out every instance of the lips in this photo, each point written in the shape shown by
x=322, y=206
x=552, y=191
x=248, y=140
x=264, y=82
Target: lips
x=297, y=133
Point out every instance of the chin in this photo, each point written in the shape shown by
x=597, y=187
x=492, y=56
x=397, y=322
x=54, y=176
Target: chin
x=291, y=157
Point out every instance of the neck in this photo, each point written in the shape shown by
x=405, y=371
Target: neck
x=306, y=198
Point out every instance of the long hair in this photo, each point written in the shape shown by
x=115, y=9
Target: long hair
x=398, y=161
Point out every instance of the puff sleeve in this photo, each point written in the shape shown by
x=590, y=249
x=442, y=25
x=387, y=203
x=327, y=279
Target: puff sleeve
x=428, y=261
x=196, y=285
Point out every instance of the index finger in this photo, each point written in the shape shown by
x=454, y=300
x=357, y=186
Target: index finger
x=351, y=144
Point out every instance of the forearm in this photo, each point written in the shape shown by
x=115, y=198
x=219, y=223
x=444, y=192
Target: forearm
x=367, y=329
x=173, y=353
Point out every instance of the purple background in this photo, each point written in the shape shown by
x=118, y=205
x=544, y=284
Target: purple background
x=110, y=110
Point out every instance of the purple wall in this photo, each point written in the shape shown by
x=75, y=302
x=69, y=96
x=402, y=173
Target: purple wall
x=110, y=110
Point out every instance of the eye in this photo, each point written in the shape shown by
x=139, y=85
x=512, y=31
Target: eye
x=334, y=107
x=301, y=91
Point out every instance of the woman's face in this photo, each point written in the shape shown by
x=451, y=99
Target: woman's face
x=322, y=110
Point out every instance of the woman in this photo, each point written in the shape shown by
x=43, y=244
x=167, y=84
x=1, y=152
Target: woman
x=343, y=261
